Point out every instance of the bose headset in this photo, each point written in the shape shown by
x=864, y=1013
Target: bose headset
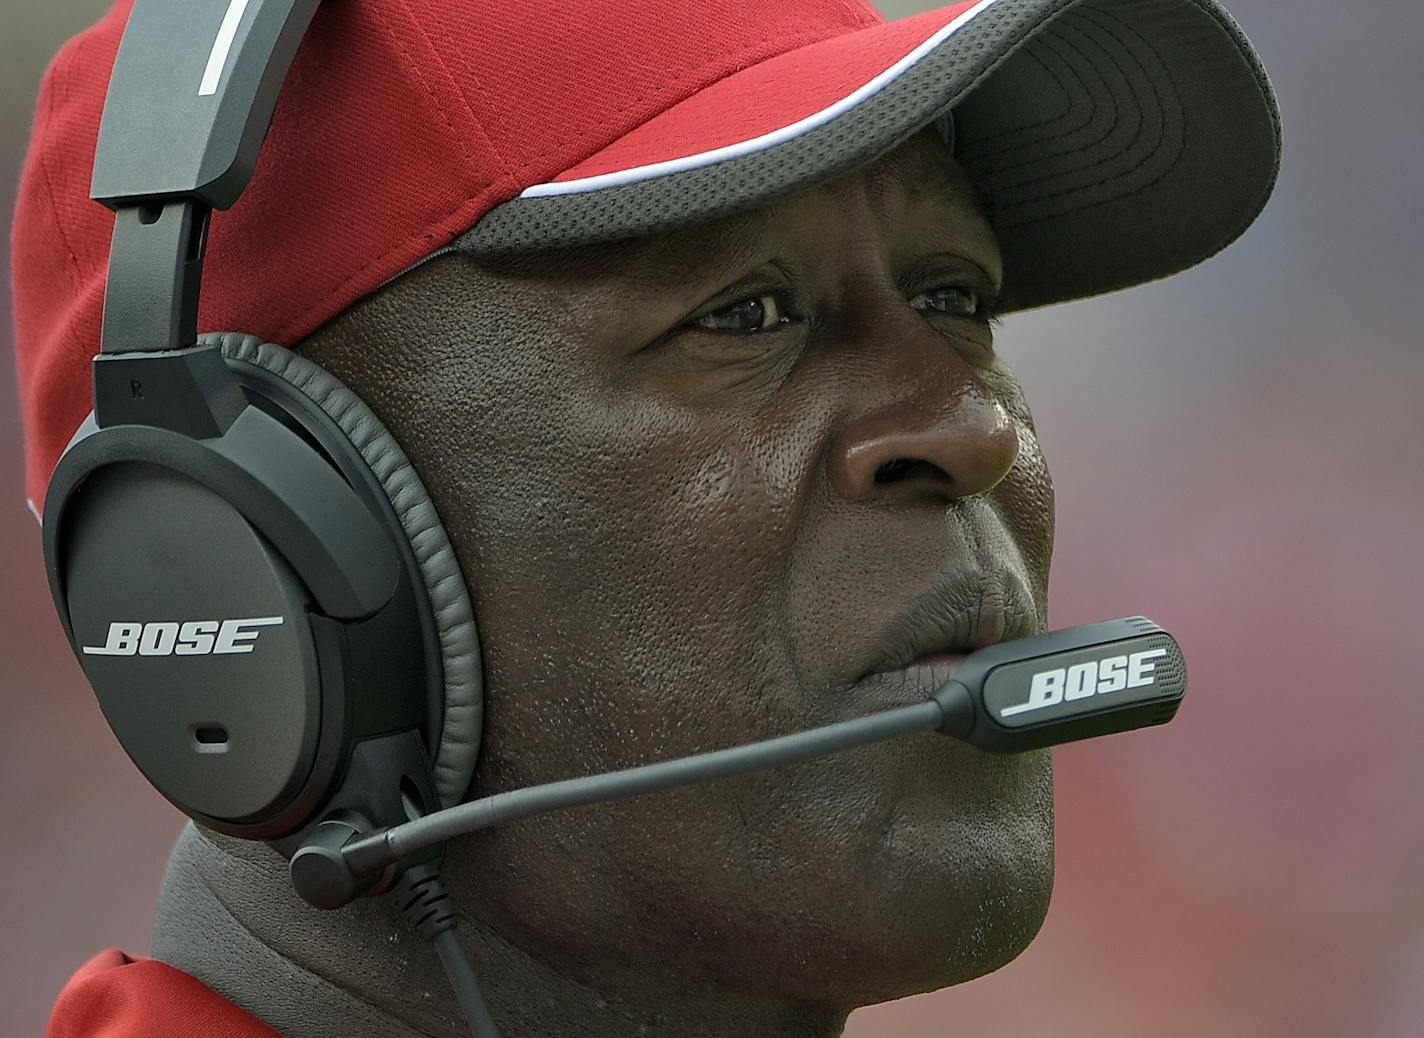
x=258, y=587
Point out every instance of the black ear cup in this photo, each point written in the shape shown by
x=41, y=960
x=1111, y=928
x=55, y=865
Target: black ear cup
x=455, y=632
x=196, y=636
x=251, y=610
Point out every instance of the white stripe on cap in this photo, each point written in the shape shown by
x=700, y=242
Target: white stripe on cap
x=621, y=177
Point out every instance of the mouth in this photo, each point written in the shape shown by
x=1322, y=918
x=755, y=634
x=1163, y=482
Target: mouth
x=921, y=648
x=917, y=680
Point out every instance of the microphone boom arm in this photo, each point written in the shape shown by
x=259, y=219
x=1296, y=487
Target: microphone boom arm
x=370, y=854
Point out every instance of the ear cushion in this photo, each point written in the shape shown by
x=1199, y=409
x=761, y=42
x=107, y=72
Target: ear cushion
x=444, y=582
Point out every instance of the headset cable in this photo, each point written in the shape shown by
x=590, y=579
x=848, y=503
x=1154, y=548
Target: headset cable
x=431, y=914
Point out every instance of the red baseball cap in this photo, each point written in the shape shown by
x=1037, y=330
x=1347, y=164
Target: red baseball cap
x=1114, y=141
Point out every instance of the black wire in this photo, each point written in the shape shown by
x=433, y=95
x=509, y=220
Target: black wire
x=465, y=985
x=431, y=914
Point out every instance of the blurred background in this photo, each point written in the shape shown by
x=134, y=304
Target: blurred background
x=1239, y=453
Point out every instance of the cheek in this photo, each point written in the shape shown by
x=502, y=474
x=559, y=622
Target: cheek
x=1025, y=501
x=628, y=595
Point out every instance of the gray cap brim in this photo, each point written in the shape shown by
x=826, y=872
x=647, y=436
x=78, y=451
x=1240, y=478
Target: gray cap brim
x=1114, y=141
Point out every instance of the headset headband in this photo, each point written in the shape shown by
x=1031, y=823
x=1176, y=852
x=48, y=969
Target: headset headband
x=180, y=135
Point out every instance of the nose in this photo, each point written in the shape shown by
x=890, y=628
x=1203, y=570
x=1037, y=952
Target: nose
x=941, y=443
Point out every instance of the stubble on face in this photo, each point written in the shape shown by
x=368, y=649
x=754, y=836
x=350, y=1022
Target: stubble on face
x=673, y=544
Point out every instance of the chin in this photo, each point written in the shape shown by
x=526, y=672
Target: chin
x=1002, y=923
x=960, y=898
x=994, y=913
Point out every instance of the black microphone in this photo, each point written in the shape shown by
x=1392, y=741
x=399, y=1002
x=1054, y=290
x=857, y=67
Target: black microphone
x=1078, y=683
x=1019, y=695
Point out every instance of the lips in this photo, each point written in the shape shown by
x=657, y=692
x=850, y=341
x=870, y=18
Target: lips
x=917, y=651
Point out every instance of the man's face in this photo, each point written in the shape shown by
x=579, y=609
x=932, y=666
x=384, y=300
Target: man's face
x=713, y=487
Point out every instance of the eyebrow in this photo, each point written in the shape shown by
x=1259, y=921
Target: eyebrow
x=671, y=262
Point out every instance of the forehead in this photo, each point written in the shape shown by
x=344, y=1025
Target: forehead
x=916, y=196
x=921, y=172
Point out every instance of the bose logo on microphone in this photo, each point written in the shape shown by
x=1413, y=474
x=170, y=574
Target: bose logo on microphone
x=194, y=638
x=1097, y=677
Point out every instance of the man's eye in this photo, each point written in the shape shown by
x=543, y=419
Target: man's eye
x=952, y=300
x=756, y=314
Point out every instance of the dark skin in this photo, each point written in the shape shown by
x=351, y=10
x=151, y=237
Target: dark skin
x=697, y=483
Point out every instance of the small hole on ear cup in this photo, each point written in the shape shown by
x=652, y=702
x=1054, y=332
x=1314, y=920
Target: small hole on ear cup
x=210, y=738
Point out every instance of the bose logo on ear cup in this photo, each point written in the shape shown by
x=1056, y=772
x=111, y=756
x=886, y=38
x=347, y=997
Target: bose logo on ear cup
x=193, y=638
x=1096, y=677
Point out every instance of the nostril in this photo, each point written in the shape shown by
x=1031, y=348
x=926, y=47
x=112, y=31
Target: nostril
x=907, y=468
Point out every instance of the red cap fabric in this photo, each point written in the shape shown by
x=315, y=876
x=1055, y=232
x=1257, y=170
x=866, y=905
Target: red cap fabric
x=1116, y=141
